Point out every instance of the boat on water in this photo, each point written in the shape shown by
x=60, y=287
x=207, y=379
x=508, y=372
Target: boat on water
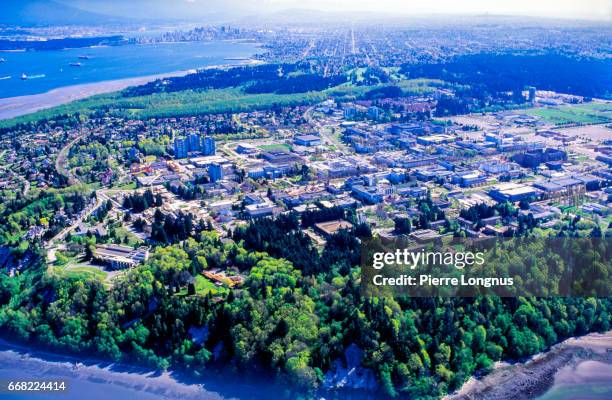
x=76, y=64
x=2, y=59
x=24, y=76
x=85, y=57
x=5, y=77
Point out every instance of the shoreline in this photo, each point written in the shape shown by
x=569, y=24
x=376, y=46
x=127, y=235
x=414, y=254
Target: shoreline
x=538, y=374
x=16, y=106
x=565, y=364
x=11, y=107
x=33, y=363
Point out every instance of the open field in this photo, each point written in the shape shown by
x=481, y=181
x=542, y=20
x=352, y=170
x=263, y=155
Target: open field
x=593, y=132
x=275, y=147
x=203, y=286
x=588, y=113
x=80, y=271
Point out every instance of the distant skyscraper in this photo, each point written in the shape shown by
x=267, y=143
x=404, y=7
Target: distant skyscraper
x=349, y=112
x=194, y=142
x=532, y=93
x=215, y=171
x=181, y=147
x=208, y=146
x=133, y=153
x=373, y=112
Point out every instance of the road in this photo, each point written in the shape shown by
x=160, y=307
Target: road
x=61, y=160
x=325, y=131
x=81, y=218
x=101, y=198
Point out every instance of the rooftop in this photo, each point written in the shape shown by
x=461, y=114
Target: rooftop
x=331, y=227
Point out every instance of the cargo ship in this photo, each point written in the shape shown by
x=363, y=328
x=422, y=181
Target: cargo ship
x=24, y=76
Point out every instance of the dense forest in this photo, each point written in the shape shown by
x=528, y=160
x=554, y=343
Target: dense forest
x=52, y=209
x=493, y=73
x=138, y=202
x=294, y=316
x=267, y=78
x=63, y=43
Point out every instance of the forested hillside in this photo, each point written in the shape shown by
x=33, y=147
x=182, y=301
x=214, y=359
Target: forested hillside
x=292, y=318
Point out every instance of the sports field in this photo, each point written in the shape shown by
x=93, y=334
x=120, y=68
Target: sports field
x=588, y=113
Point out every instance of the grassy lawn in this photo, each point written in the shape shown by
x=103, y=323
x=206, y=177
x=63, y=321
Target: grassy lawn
x=275, y=147
x=83, y=270
x=575, y=114
x=122, y=233
x=595, y=107
x=126, y=186
x=203, y=286
x=80, y=271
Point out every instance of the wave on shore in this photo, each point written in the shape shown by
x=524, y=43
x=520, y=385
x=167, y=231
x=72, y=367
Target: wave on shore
x=96, y=379
x=11, y=107
x=575, y=366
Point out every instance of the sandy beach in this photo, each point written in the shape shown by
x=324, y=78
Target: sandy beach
x=585, y=360
x=39, y=364
x=577, y=364
x=11, y=107
x=99, y=379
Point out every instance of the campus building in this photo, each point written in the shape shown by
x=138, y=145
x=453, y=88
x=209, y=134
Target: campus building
x=120, y=257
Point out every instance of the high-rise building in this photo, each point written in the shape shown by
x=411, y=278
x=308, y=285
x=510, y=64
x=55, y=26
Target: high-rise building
x=194, y=142
x=181, y=148
x=532, y=93
x=215, y=171
x=349, y=112
x=374, y=113
x=208, y=146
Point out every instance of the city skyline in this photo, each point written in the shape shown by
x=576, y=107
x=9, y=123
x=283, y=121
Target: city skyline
x=591, y=9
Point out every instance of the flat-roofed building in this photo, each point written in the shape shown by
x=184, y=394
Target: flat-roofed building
x=435, y=139
x=204, y=162
x=424, y=235
x=246, y=148
x=331, y=227
x=120, y=257
x=469, y=178
x=372, y=194
x=281, y=157
x=259, y=210
x=512, y=192
x=307, y=140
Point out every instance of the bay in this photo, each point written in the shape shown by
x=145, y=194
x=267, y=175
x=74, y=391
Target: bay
x=48, y=70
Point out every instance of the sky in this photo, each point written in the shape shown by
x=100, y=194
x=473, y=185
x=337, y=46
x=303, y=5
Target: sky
x=575, y=9
x=590, y=9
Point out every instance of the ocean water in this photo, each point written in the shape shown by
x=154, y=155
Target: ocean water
x=98, y=380
x=588, y=380
x=107, y=381
x=583, y=391
x=49, y=70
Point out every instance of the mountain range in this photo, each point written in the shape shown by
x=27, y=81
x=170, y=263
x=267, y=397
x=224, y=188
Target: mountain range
x=95, y=12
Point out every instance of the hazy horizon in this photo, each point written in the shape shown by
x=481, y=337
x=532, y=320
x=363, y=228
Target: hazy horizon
x=193, y=9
